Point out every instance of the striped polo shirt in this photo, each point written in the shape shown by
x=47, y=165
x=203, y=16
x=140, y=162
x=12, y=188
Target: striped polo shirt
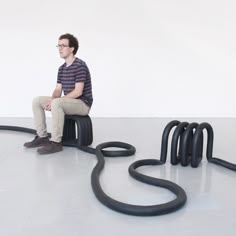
x=77, y=72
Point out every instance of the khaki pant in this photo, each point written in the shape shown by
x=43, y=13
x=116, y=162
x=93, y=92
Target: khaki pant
x=59, y=108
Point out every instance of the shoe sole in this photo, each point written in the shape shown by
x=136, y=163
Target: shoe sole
x=41, y=145
x=46, y=153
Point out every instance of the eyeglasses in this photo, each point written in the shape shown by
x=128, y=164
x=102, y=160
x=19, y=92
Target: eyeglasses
x=62, y=46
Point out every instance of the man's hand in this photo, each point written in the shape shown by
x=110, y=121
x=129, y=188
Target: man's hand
x=47, y=105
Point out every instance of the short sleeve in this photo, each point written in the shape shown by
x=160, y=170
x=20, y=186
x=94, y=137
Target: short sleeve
x=59, y=74
x=81, y=74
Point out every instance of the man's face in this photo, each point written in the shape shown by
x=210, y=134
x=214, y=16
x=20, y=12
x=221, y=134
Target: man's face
x=64, y=50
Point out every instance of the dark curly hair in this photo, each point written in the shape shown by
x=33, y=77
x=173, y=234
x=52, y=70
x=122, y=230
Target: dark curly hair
x=73, y=41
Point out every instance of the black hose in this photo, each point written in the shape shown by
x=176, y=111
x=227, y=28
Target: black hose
x=186, y=148
x=18, y=129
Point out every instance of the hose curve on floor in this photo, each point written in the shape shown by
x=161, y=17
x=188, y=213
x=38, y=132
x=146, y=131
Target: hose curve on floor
x=129, y=209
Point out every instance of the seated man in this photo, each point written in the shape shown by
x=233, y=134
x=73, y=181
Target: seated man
x=75, y=82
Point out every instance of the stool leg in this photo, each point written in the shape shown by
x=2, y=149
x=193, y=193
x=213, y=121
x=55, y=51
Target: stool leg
x=84, y=131
x=89, y=128
x=69, y=130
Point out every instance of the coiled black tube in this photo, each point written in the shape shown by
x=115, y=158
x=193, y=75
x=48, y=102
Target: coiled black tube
x=190, y=148
x=129, y=150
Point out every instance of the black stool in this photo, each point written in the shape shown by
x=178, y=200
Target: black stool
x=78, y=131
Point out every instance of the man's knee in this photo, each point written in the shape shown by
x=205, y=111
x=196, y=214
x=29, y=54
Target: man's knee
x=56, y=103
x=36, y=101
x=40, y=101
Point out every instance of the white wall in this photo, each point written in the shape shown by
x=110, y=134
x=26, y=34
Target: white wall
x=150, y=58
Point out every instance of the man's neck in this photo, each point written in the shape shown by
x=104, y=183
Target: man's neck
x=69, y=60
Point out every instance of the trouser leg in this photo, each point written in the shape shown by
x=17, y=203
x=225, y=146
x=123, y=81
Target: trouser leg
x=65, y=106
x=39, y=115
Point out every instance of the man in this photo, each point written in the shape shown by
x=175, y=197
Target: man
x=75, y=82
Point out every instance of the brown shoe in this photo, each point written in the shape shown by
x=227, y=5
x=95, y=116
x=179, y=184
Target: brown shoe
x=37, y=142
x=50, y=147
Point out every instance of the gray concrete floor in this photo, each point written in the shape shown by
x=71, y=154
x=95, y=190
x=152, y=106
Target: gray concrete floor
x=52, y=195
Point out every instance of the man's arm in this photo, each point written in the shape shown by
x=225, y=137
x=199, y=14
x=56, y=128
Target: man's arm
x=57, y=91
x=76, y=92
